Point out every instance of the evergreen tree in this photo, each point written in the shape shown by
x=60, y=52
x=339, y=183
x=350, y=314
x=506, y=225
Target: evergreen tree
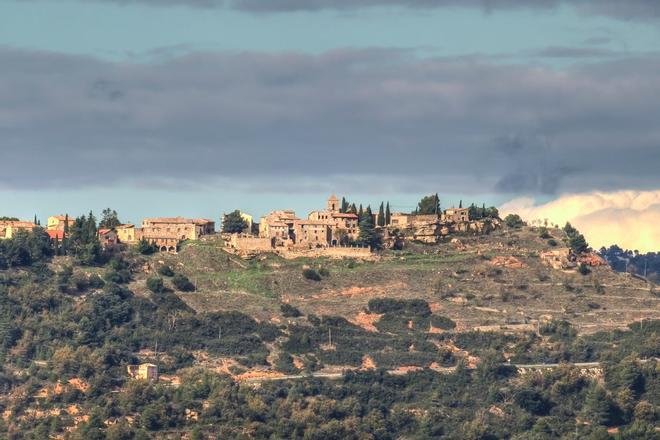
x=360, y=212
x=381, y=215
x=368, y=235
x=388, y=214
x=109, y=219
x=344, y=205
x=233, y=223
x=460, y=204
x=428, y=205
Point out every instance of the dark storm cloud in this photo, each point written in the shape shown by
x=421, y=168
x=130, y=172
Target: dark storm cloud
x=259, y=118
x=620, y=9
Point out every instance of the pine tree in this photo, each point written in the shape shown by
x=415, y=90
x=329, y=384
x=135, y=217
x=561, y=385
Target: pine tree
x=388, y=214
x=381, y=215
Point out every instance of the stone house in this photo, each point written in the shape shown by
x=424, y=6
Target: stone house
x=107, y=237
x=456, y=215
x=9, y=228
x=312, y=233
x=56, y=222
x=167, y=232
x=148, y=372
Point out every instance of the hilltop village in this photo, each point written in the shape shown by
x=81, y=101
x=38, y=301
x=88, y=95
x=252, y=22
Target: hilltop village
x=339, y=230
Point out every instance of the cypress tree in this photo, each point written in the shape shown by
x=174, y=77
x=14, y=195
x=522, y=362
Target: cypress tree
x=460, y=204
x=360, y=212
x=381, y=215
x=388, y=214
x=344, y=205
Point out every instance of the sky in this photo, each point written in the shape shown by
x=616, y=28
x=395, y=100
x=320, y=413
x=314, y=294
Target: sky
x=199, y=107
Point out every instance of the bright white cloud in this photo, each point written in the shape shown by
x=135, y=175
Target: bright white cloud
x=630, y=219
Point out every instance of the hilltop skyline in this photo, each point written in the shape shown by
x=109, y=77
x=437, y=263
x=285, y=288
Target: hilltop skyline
x=165, y=107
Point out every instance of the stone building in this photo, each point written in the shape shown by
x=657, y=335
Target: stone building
x=107, y=237
x=128, y=233
x=148, y=372
x=278, y=225
x=9, y=228
x=311, y=233
x=167, y=232
x=456, y=215
x=343, y=226
x=56, y=222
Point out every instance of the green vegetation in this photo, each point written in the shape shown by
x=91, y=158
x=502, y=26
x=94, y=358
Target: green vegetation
x=66, y=318
x=311, y=274
x=513, y=221
x=428, y=205
x=575, y=240
x=233, y=223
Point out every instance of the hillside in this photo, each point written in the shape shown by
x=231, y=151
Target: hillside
x=489, y=281
x=425, y=342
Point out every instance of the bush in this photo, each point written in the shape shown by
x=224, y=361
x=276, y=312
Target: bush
x=166, y=271
x=311, y=274
x=415, y=307
x=324, y=272
x=513, y=221
x=584, y=269
x=552, y=242
x=543, y=233
x=155, y=284
x=442, y=322
x=288, y=311
x=182, y=283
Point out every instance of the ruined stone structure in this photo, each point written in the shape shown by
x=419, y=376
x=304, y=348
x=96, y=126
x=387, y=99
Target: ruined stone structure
x=148, y=372
x=456, y=215
x=9, y=228
x=249, y=242
x=167, y=232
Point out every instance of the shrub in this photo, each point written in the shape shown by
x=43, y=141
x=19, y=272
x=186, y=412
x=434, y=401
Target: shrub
x=415, y=307
x=513, y=221
x=543, y=233
x=95, y=282
x=288, y=311
x=166, y=271
x=155, y=284
x=311, y=274
x=584, y=269
x=121, y=276
x=182, y=283
x=442, y=322
x=324, y=272
x=552, y=242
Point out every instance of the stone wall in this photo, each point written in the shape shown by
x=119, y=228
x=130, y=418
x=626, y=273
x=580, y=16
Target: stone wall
x=330, y=252
x=249, y=243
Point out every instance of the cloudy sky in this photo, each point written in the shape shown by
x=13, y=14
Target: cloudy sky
x=201, y=106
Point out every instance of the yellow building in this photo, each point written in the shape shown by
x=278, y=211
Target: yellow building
x=56, y=222
x=127, y=233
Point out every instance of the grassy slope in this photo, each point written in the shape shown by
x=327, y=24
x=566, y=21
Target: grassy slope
x=459, y=280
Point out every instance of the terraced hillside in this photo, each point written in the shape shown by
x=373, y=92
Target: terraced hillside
x=494, y=282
